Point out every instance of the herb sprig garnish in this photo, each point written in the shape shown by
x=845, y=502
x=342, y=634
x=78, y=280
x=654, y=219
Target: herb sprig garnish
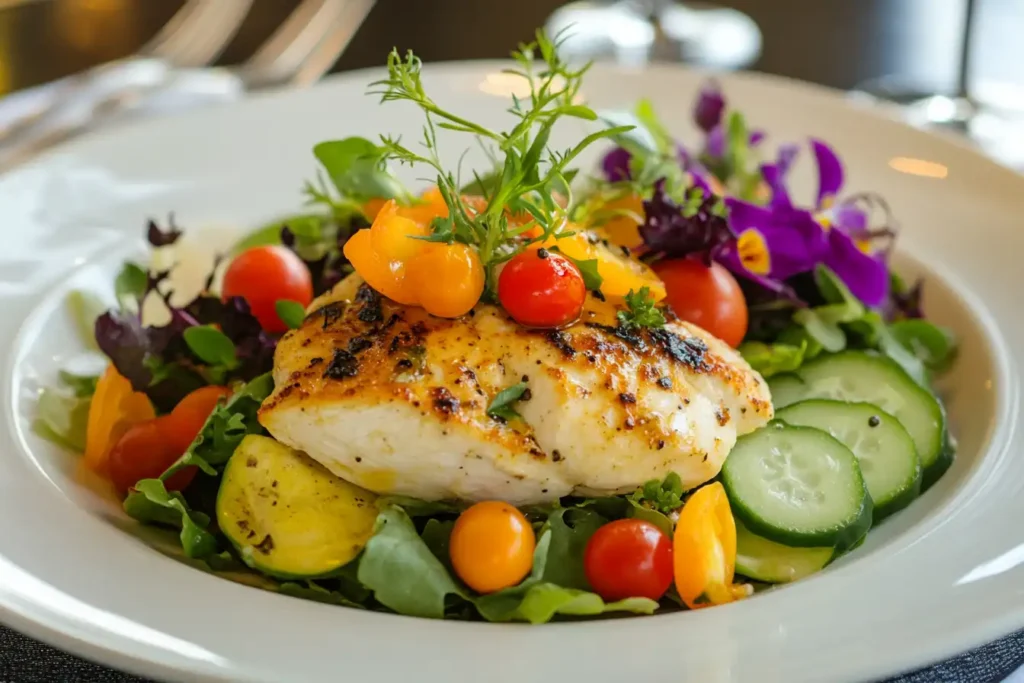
x=641, y=311
x=530, y=175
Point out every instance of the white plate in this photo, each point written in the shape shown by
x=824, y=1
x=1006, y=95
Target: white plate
x=940, y=577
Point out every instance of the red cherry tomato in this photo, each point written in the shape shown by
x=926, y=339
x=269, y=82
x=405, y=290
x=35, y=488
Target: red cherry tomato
x=629, y=558
x=144, y=452
x=189, y=416
x=265, y=275
x=542, y=288
x=706, y=296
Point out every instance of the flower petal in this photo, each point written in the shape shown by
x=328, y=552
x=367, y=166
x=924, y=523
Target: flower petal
x=756, y=138
x=830, y=173
x=616, y=165
x=794, y=245
x=707, y=113
x=866, y=275
x=775, y=177
x=715, y=144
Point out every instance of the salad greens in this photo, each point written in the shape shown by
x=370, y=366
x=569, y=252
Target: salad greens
x=822, y=305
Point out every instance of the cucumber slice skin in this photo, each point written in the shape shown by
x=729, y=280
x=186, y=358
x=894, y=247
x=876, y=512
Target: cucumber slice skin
x=824, y=414
x=943, y=460
x=841, y=534
x=929, y=439
x=763, y=560
x=786, y=389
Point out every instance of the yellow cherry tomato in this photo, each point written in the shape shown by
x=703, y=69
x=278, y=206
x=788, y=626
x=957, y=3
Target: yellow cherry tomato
x=492, y=546
x=704, y=550
x=376, y=270
x=448, y=278
x=393, y=236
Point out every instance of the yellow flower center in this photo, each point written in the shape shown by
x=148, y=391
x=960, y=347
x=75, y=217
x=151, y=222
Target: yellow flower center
x=753, y=252
x=865, y=246
x=827, y=201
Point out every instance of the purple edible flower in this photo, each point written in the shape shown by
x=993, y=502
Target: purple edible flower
x=616, y=165
x=707, y=113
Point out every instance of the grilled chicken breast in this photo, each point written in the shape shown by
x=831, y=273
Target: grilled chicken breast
x=395, y=400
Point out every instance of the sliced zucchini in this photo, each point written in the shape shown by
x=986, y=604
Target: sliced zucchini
x=288, y=516
x=763, y=560
x=860, y=377
x=886, y=453
x=797, y=486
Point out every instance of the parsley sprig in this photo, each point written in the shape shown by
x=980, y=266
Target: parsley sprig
x=640, y=310
x=529, y=176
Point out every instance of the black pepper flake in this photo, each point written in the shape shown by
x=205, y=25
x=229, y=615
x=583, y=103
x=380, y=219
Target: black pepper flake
x=403, y=364
x=627, y=397
x=526, y=378
x=661, y=444
x=266, y=545
x=527, y=395
x=556, y=456
x=273, y=484
x=722, y=415
x=625, y=251
x=665, y=382
x=542, y=253
x=874, y=421
x=342, y=365
x=313, y=362
x=358, y=459
x=591, y=358
x=598, y=294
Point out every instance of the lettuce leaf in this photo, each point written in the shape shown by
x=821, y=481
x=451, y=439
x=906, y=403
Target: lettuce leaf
x=151, y=503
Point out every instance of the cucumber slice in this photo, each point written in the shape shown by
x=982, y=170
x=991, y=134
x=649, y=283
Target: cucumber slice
x=786, y=389
x=763, y=560
x=288, y=516
x=859, y=377
x=797, y=486
x=886, y=453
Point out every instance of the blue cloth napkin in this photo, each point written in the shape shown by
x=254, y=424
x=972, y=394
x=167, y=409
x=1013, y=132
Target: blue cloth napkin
x=23, y=660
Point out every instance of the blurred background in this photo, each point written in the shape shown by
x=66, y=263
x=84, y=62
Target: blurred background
x=967, y=51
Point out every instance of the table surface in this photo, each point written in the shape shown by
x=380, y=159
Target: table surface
x=838, y=43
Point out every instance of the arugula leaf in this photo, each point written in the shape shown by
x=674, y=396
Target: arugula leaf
x=85, y=308
x=641, y=310
x=314, y=591
x=150, y=502
x=773, y=359
x=537, y=601
x=291, y=313
x=225, y=428
x=211, y=346
x=646, y=514
x=501, y=404
x=437, y=535
x=130, y=286
x=935, y=346
x=61, y=417
x=402, y=571
x=358, y=170
x=664, y=496
x=570, y=529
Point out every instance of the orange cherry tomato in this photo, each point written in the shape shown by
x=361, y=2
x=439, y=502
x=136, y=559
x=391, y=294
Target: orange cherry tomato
x=188, y=417
x=115, y=408
x=492, y=546
x=629, y=558
x=704, y=549
x=145, y=452
x=542, y=288
x=708, y=297
x=448, y=278
x=263, y=276
x=375, y=269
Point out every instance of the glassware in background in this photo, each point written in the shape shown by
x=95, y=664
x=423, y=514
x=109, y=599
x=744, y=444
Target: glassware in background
x=634, y=32
x=984, y=102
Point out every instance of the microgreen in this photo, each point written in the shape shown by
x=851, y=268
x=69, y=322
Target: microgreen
x=530, y=175
x=664, y=496
x=641, y=311
x=501, y=404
